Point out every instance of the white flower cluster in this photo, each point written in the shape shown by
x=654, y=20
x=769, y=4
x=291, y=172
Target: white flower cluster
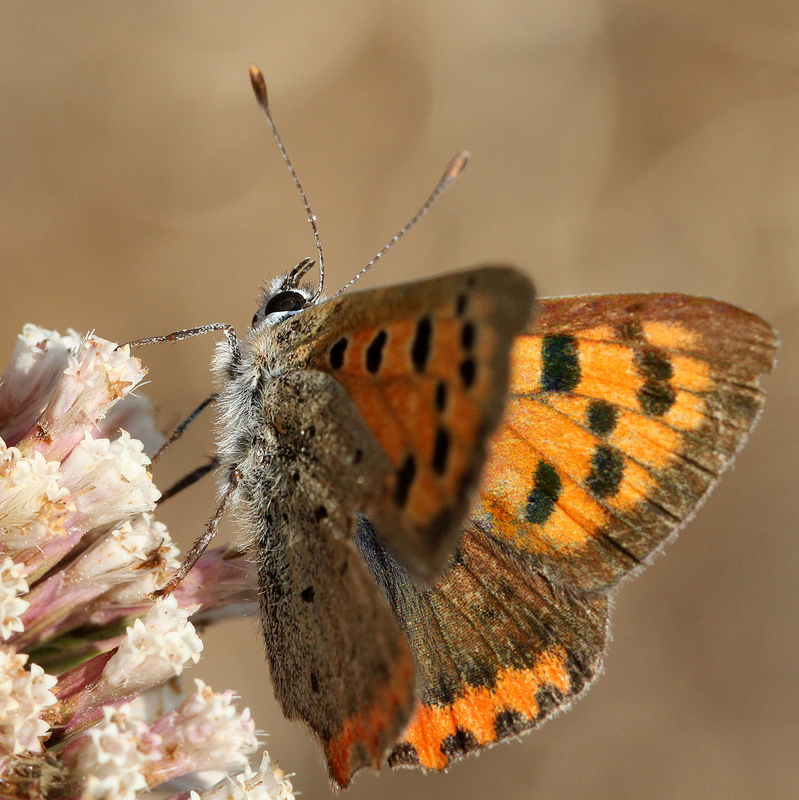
x=12, y=606
x=122, y=755
x=207, y=729
x=80, y=556
x=113, y=756
x=38, y=361
x=24, y=695
x=154, y=650
x=267, y=783
x=33, y=500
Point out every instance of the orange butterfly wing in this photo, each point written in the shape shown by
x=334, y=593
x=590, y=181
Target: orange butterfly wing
x=623, y=411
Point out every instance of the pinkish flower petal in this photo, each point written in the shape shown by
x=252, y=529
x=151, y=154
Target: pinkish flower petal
x=99, y=374
x=38, y=361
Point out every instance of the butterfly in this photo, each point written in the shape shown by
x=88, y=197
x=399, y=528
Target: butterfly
x=443, y=482
x=371, y=409
x=353, y=433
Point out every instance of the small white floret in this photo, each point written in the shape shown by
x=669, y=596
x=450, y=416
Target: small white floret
x=155, y=649
x=24, y=695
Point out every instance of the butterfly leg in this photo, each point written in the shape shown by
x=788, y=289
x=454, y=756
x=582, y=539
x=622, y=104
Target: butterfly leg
x=178, y=432
x=199, y=547
x=188, y=333
x=190, y=479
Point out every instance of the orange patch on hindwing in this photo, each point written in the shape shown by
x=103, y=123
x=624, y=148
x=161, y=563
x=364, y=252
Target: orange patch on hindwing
x=477, y=711
x=371, y=729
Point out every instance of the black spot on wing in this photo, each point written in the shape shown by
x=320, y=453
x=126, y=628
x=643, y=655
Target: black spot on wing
x=404, y=480
x=467, y=336
x=656, y=398
x=468, y=370
x=403, y=755
x=560, y=364
x=441, y=396
x=602, y=417
x=654, y=365
x=509, y=723
x=307, y=594
x=441, y=451
x=546, y=490
x=548, y=699
x=607, y=470
x=374, y=352
x=420, y=350
x=657, y=395
x=459, y=744
x=337, y=353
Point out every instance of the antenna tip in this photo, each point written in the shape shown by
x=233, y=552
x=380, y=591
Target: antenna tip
x=258, y=85
x=456, y=165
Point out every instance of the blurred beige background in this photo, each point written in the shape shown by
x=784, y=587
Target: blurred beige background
x=616, y=146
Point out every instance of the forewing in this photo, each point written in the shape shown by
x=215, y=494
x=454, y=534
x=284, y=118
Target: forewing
x=623, y=412
x=337, y=656
x=426, y=365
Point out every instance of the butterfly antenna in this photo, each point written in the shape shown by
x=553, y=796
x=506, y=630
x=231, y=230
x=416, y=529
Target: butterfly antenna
x=259, y=87
x=454, y=168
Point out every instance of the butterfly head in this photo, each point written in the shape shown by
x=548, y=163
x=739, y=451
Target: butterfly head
x=284, y=297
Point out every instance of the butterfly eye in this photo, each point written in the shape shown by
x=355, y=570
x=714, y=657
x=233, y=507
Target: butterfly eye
x=280, y=303
x=284, y=301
